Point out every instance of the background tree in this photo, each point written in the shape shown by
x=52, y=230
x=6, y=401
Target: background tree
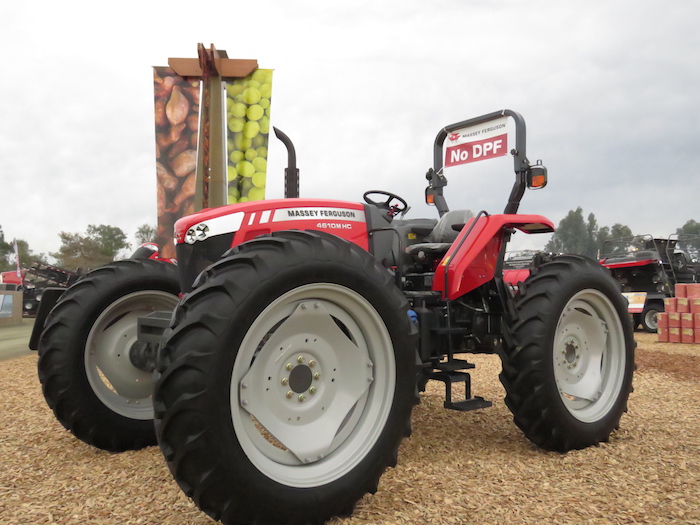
x=146, y=233
x=689, y=234
x=5, y=252
x=99, y=246
x=571, y=236
x=618, y=231
x=602, y=235
x=110, y=238
x=592, y=237
x=26, y=256
x=583, y=237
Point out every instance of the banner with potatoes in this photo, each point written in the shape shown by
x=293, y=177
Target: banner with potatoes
x=177, y=110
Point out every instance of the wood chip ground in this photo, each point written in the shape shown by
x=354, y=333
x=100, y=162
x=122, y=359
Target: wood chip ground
x=457, y=468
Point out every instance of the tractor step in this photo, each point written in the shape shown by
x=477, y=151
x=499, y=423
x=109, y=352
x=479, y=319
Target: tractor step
x=453, y=365
x=469, y=403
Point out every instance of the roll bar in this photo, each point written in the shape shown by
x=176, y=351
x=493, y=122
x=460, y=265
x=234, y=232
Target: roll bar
x=523, y=169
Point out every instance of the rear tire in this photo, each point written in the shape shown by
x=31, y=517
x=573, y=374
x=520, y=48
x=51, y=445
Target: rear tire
x=568, y=370
x=249, y=430
x=84, y=367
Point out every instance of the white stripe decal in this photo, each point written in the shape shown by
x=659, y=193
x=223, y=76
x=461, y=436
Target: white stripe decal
x=216, y=226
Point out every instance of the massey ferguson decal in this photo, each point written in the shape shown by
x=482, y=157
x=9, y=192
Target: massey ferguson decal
x=475, y=143
x=340, y=214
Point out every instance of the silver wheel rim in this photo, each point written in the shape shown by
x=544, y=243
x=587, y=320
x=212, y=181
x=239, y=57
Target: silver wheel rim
x=589, y=355
x=312, y=385
x=117, y=383
x=651, y=319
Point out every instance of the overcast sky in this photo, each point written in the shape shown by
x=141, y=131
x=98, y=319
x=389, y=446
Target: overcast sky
x=609, y=91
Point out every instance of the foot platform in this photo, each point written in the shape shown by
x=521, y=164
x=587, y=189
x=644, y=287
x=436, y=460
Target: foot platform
x=469, y=403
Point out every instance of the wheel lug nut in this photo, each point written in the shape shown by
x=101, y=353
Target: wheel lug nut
x=288, y=366
x=312, y=363
x=290, y=394
x=317, y=376
x=312, y=390
x=300, y=359
x=285, y=381
x=301, y=398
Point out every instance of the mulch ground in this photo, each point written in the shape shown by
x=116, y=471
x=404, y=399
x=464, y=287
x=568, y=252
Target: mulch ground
x=473, y=467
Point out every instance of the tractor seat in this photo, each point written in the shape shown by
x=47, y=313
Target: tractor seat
x=441, y=237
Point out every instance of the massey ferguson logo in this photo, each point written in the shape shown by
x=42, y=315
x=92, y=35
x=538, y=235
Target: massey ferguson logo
x=453, y=136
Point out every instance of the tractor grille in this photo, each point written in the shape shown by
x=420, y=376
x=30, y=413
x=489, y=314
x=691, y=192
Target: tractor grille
x=192, y=259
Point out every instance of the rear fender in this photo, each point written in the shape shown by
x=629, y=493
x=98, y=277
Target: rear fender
x=50, y=297
x=627, y=264
x=513, y=277
x=472, y=259
x=150, y=250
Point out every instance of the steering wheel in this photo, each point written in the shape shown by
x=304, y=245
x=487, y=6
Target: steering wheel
x=392, y=209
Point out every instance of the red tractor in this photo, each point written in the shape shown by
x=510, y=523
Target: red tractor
x=292, y=340
x=648, y=269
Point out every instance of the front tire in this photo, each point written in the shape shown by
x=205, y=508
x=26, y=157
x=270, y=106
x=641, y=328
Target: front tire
x=85, y=365
x=287, y=381
x=568, y=370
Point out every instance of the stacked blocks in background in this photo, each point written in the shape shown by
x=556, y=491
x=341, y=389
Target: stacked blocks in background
x=680, y=323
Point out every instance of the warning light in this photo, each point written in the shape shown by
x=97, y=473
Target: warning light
x=538, y=181
x=537, y=176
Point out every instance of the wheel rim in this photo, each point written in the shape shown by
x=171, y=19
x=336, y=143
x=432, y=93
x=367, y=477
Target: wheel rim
x=312, y=385
x=116, y=382
x=589, y=355
x=651, y=319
